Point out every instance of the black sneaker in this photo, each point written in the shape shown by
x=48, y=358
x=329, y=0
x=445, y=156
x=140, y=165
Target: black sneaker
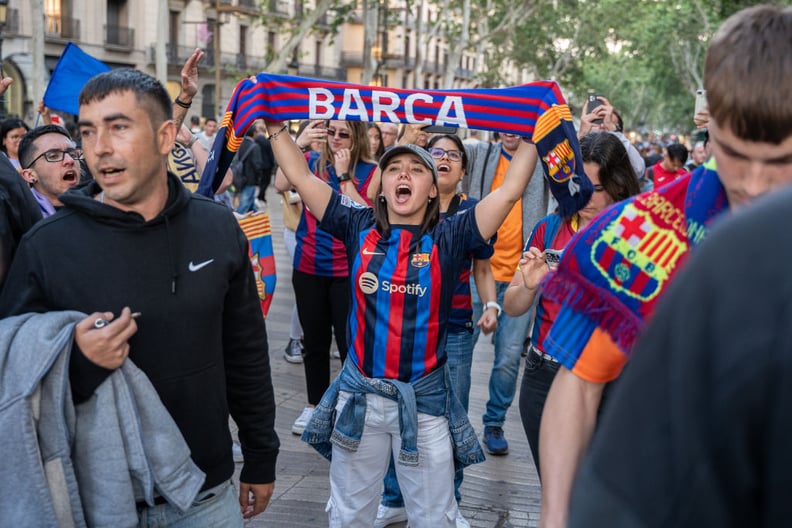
x=494, y=441
x=293, y=352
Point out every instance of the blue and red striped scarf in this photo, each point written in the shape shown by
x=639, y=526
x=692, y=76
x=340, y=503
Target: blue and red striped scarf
x=616, y=269
x=535, y=111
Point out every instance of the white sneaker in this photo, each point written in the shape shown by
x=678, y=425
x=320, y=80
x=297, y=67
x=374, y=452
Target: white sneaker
x=461, y=522
x=387, y=516
x=299, y=424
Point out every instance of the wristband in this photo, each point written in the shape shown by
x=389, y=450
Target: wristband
x=493, y=304
x=181, y=103
x=192, y=141
x=344, y=177
x=273, y=137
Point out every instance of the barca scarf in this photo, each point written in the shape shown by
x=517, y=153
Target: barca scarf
x=615, y=269
x=535, y=111
x=258, y=231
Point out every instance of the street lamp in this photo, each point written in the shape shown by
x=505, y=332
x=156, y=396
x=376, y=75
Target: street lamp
x=3, y=20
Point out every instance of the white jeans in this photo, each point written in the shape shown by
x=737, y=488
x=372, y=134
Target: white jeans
x=356, y=478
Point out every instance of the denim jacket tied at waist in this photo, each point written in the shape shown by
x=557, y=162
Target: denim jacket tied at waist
x=432, y=395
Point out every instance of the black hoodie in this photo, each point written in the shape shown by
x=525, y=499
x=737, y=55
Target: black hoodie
x=201, y=338
x=18, y=212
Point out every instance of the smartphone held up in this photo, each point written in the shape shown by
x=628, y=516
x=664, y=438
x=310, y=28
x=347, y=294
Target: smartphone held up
x=594, y=102
x=701, y=101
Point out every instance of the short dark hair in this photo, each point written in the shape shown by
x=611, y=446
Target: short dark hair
x=678, y=152
x=27, y=149
x=210, y=119
x=615, y=170
x=149, y=92
x=748, y=64
x=9, y=125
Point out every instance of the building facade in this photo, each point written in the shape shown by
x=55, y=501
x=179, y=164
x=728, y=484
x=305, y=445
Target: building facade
x=243, y=37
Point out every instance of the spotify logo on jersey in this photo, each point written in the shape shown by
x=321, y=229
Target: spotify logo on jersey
x=368, y=283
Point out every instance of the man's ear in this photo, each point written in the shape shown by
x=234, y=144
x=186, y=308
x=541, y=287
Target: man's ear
x=166, y=136
x=29, y=175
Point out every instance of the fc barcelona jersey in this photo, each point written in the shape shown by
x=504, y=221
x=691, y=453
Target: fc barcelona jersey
x=401, y=288
x=317, y=252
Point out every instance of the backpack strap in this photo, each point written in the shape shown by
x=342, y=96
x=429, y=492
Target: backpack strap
x=453, y=207
x=552, y=225
x=484, y=170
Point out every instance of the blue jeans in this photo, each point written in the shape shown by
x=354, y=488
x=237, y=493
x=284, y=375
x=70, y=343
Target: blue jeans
x=218, y=506
x=459, y=348
x=509, y=341
x=247, y=199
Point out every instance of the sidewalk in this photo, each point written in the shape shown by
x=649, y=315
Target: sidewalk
x=501, y=492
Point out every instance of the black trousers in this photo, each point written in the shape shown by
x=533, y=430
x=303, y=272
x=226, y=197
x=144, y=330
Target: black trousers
x=323, y=307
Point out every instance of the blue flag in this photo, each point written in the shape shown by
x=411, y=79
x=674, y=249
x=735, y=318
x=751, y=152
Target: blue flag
x=73, y=70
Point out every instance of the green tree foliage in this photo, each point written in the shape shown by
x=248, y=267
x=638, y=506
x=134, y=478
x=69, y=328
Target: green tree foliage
x=646, y=56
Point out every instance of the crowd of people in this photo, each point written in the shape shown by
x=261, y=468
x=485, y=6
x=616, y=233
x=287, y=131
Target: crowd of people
x=405, y=245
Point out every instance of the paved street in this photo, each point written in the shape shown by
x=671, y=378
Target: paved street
x=501, y=492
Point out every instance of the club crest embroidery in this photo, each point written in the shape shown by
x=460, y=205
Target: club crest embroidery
x=419, y=260
x=559, y=161
x=636, y=255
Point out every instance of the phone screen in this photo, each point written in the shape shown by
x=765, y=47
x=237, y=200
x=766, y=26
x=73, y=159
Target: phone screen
x=553, y=256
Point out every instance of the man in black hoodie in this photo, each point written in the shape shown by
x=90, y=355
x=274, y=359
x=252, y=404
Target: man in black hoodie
x=136, y=239
x=18, y=209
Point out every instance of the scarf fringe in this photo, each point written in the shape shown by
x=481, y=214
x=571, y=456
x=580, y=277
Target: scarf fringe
x=577, y=293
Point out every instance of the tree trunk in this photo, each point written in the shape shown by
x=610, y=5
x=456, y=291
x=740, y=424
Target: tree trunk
x=370, y=30
x=278, y=63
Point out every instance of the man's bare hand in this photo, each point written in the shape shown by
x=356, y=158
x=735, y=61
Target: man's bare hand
x=107, y=346
x=189, y=76
x=4, y=84
x=254, y=498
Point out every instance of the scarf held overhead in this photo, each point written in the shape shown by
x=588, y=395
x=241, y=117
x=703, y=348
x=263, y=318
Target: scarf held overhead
x=535, y=111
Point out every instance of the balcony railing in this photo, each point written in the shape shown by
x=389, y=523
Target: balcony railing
x=352, y=58
x=318, y=71
x=61, y=27
x=119, y=36
x=12, y=22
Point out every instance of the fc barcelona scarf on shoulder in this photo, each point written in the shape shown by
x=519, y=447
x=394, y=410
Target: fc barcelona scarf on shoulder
x=615, y=269
x=536, y=111
x=258, y=231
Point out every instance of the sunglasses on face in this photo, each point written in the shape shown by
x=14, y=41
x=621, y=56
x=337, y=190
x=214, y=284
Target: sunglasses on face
x=343, y=134
x=56, y=155
x=438, y=153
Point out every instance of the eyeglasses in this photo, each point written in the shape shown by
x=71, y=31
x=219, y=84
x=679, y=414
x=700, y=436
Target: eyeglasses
x=56, y=155
x=438, y=153
x=343, y=134
x=599, y=188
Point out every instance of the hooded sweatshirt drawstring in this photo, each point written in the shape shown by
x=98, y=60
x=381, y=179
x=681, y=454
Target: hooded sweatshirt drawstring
x=174, y=272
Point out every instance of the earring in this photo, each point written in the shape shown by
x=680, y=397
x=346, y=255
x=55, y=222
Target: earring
x=382, y=199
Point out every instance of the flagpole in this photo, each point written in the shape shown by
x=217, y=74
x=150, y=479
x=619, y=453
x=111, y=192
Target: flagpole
x=160, y=59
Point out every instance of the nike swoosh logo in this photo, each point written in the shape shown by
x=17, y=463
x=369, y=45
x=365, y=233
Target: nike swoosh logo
x=196, y=267
x=367, y=251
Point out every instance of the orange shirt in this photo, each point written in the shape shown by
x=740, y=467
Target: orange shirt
x=509, y=245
